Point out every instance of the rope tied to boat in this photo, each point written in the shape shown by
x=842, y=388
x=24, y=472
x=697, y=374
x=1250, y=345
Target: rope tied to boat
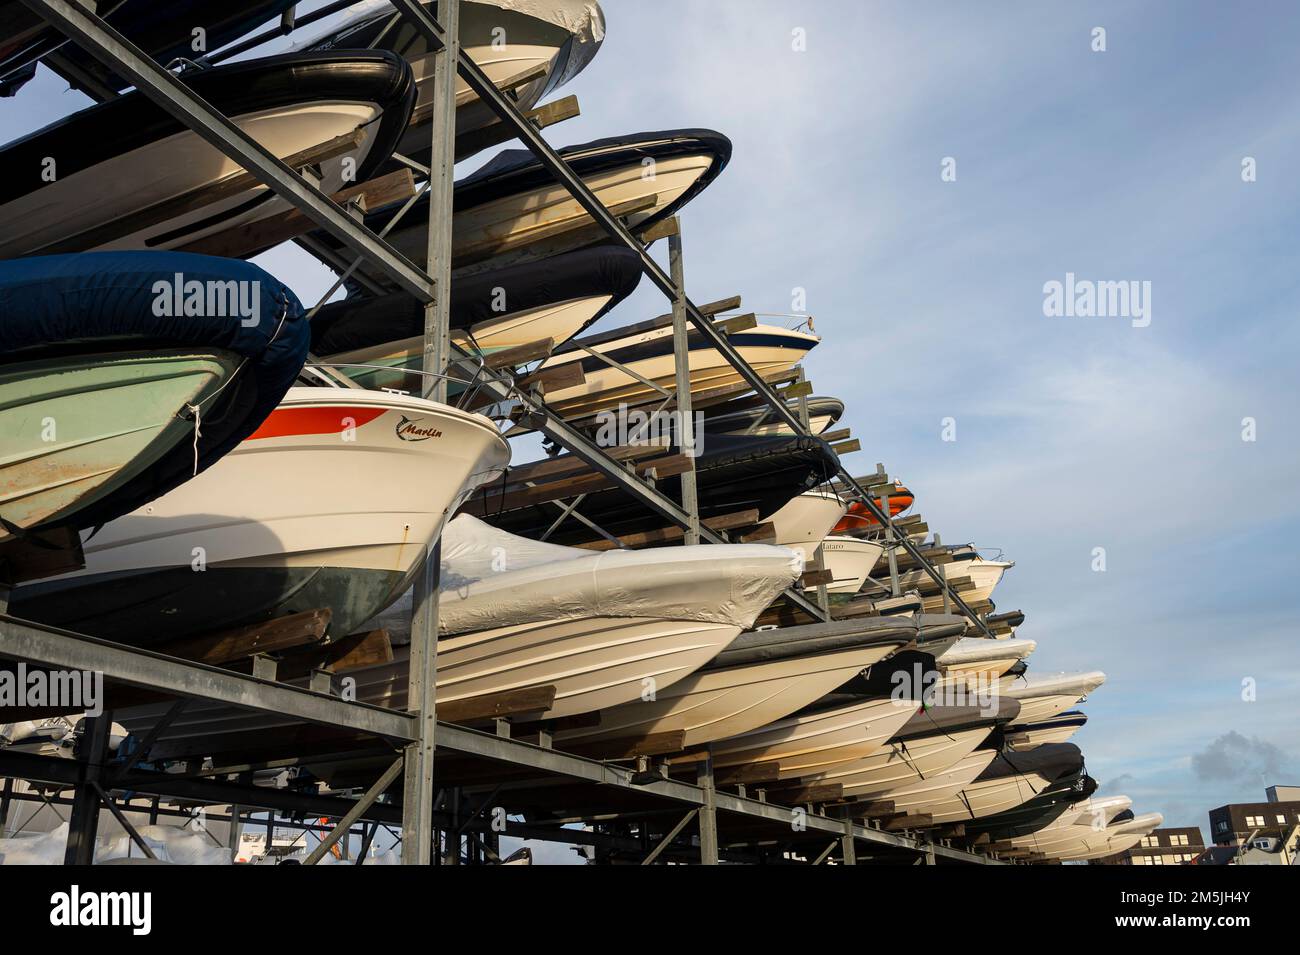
x=196, y=410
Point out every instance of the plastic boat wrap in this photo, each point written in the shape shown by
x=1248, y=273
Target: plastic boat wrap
x=492, y=579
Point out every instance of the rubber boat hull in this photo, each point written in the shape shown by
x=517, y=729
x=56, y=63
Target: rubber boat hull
x=330, y=504
x=649, y=356
x=823, y=413
x=287, y=103
x=512, y=210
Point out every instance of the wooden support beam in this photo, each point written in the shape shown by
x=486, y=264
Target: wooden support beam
x=492, y=705
x=800, y=389
x=814, y=792
x=271, y=636
x=815, y=578
x=832, y=436
x=737, y=323
x=567, y=375
x=661, y=230
x=765, y=772
x=520, y=354
x=494, y=134
x=368, y=648
x=874, y=810
x=763, y=532
x=652, y=744
x=665, y=465
x=847, y=447
x=911, y=820
x=253, y=237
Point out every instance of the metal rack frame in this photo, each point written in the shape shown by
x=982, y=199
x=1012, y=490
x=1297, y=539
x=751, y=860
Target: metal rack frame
x=414, y=735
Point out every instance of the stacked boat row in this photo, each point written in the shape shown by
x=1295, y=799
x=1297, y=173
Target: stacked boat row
x=158, y=400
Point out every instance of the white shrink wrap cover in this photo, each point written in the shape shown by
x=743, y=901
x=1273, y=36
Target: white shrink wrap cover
x=493, y=579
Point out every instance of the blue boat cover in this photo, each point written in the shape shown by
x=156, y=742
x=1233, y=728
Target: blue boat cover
x=99, y=302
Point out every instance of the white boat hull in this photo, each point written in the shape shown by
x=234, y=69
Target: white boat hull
x=898, y=764
x=850, y=561
x=716, y=704
x=336, y=496
x=810, y=744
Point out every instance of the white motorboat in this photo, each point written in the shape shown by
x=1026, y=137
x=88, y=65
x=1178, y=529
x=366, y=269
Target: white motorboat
x=850, y=561
x=331, y=503
x=813, y=741
x=1058, y=729
x=603, y=628
x=932, y=741
x=1005, y=783
x=1119, y=836
x=648, y=356
x=1069, y=831
x=1043, y=696
x=805, y=520
x=762, y=677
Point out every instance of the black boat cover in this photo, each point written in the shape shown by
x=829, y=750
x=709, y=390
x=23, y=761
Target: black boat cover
x=86, y=138
x=98, y=302
x=517, y=170
x=1055, y=761
x=161, y=28
x=734, y=473
x=514, y=171
x=364, y=322
x=761, y=646
x=1034, y=815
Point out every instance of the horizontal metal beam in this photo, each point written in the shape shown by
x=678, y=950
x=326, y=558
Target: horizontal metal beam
x=517, y=753
x=62, y=650
x=112, y=49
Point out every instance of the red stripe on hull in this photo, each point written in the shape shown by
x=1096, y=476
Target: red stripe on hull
x=286, y=422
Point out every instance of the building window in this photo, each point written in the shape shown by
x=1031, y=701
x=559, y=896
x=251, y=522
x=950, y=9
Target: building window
x=1222, y=826
x=1281, y=819
x=1254, y=820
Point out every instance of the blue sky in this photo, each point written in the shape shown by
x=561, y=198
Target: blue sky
x=1072, y=433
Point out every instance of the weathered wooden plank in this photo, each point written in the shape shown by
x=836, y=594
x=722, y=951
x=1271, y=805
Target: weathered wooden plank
x=913, y=820
x=477, y=140
x=492, y=705
x=651, y=744
x=272, y=636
